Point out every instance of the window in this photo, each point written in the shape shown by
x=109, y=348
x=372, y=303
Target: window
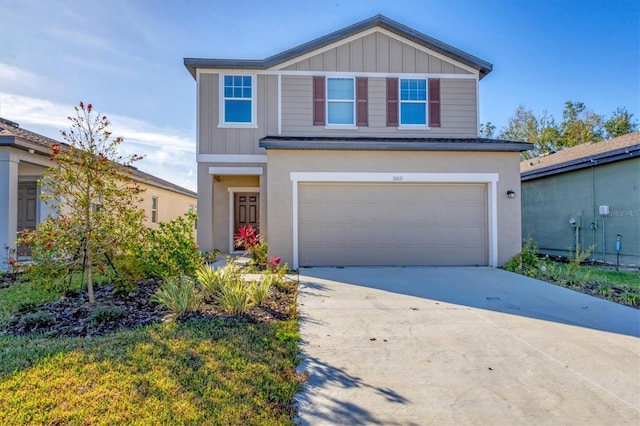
x=154, y=209
x=413, y=102
x=340, y=101
x=335, y=98
x=237, y=101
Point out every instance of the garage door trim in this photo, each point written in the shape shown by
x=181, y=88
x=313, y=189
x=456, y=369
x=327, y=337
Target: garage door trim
x=490, y=179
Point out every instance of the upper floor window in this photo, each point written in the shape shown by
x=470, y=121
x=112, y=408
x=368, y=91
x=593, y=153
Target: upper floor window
x=340, y=101
x=413, y=102
x=154, y=209
x=238, y=99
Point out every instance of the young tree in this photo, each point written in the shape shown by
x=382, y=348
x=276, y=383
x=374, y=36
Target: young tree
x=541, y=131
x=94, y=199
x=579, y=125
x=620, y=123
x=487, y=130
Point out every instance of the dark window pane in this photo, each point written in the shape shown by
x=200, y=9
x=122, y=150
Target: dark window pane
x=413, y=114
x=237, y=111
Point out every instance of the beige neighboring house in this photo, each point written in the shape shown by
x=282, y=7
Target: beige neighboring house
x=358, y=148
x=24, y=156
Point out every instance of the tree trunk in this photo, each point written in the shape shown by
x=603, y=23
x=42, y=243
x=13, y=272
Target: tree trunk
x=89, y=261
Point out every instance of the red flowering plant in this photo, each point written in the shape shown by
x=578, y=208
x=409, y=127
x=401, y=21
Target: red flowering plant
x=253, y=243
x=247, y=238
x=11, y=260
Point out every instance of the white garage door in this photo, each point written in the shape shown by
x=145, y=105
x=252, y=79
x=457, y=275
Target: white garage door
x=392, y=224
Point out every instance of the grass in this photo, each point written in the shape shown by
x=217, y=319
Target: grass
x=196, y=372
x=19, y=295
x=611, y=277
x=601, y=281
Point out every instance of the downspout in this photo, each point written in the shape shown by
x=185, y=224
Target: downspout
x=594, y=224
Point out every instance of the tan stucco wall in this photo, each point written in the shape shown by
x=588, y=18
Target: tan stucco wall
x=282, y=162
x=170, y=204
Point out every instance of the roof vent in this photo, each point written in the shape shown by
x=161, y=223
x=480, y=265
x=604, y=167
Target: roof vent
x=9, y=122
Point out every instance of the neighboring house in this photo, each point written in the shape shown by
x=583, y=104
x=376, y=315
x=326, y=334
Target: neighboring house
x=25, y=155
x=358, y=148
x=562, y=195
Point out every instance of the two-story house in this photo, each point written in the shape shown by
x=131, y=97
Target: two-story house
x=358, y=148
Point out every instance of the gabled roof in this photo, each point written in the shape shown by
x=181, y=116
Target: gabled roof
x=387, y=144
x=11, y=134
x=381, y=21
x=581, y=156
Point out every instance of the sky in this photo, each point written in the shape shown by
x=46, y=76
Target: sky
x=126, y=58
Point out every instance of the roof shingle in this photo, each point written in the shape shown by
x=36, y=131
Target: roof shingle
x=586, y=153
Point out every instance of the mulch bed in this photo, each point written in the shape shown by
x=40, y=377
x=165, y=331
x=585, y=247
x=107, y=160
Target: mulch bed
x=73, y=316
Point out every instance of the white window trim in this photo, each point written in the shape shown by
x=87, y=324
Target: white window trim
x=231, y=158
x=235, y=171
x=154, y=210
x=222, y=124
x=424, y=126
x=232, y=195
x=327, y=101
x=491, y=179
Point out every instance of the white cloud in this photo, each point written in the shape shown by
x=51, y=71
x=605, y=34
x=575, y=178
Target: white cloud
x=20, y=79
x=169, y=153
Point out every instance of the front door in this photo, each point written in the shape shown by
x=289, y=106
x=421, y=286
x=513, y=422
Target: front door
x=27, y=208
x=246, y=212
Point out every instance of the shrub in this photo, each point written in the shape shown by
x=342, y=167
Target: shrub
x=526, y=262
x=211, y=256
x=603, y=290
x=576, y=261
x=631, y=299
x=171, y=249
x=234, y=297
x=212, y=281
x=26, y=307
x=105, y=313
x=258, y=291
x=37, y=320
x=178, y=294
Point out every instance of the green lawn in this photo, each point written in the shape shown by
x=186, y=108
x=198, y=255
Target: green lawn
x=198, y=372
x=605, y=282
x=19, y=295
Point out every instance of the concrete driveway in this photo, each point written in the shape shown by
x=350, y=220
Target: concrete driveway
x=417, y=346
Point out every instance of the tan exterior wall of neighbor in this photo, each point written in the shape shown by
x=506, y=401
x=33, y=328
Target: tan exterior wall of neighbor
x=376, y=52
x=170, y=204
x=282, y=162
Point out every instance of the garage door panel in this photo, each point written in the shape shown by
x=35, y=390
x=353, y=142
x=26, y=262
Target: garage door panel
x=392, y=224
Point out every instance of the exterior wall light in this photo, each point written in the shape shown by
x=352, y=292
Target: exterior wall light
x=511, y=194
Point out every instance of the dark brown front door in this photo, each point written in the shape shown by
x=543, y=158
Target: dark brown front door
x=246, y=212
x=27, y=208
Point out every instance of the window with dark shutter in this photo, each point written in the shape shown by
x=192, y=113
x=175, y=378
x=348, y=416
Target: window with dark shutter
x=392, y=102
x=318, y=101
x=434, y=102
x=362, y=97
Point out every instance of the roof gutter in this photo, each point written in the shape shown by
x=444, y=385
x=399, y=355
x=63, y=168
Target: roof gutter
x=393, y=146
